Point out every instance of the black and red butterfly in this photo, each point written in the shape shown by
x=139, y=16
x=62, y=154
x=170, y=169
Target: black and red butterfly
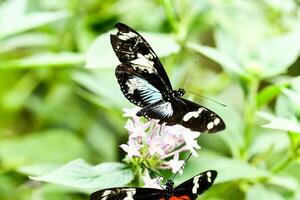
x=145, y=83
x=188, y=190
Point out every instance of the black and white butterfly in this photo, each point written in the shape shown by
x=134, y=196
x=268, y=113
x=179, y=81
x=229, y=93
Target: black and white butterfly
x=188, y=190
x=145, y=83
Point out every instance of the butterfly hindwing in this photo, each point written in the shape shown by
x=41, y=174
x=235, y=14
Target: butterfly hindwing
x=196, y=185
x=161, y=110
x=133, y=50
x=135, y=88
x=128, y=194
x=197, y=118
x=186, y=113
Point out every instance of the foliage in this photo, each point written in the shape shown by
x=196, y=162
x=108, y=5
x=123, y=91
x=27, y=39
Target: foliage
x=60, y=102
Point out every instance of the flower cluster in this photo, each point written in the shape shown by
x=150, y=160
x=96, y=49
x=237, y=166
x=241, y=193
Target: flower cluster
x=158, y=144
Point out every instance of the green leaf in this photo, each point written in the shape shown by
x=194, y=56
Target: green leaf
x=229, y=169
x=278, y=53
x=225, y=61
x=287, y=182
x=268, y=94
x=53, y=192
x=19, y=21
x=294, y=96
x=27, y=40
x=95, y=81
x=88, y=178
x=240, y=20
x=8, y=185
x=103, y=141
x=37, y=169
x=280, y=123
x=284, y=107
x=260, y=192
x=269, y=141
x=45, y=60
x=12, y=10
x=53, y=147
x=226, y=43
x=19, y=93
x=101, y=54
x=266, y=141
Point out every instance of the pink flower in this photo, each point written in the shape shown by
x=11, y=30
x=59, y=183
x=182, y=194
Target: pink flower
x=190, y=139
x=176, y=164
x=132, y=149
x=155, y=144
x=136, y=129
x=151, y=183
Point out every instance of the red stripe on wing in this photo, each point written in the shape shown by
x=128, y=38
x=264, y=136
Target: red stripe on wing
x=182, y=197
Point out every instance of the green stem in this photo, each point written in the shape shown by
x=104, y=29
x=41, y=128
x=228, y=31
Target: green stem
x=250, y=110
x=170, y=13
x=283, y=164
x=293, y=155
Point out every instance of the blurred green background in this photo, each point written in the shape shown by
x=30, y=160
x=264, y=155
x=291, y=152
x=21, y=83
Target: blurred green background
x=60, y=101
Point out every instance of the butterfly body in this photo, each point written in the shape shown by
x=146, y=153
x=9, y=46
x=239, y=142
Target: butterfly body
x=188, y=190
x=145, y=83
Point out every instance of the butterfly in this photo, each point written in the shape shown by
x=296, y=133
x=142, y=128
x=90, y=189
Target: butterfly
x=145, y=83
x=188, y=190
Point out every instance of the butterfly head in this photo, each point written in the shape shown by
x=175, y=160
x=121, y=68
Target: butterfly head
x=179, y=93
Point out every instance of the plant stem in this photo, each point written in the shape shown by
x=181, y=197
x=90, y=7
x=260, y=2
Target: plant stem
x=250, y=110
x=283, y=164
x=293, y=155
x=170, y=13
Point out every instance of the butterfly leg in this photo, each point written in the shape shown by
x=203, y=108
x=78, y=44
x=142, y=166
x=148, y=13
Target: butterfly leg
x=159, y=130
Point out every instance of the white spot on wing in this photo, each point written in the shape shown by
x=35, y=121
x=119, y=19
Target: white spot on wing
x=217, y=121
x=196, y=184
x=210, y=125
x=208, y=174
x=143, y=63
x=129, y=193
x=105, y=194
x=126, y=36
x=149, y=56
x=194, y=114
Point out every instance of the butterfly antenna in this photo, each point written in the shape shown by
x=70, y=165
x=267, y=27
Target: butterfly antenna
x=159, y=131
x=181, y=168
x=185, y=86
x=206, y=98
x=187, y=80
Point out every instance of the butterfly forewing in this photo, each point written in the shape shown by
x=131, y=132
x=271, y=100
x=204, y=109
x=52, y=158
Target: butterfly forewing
x=196, y=185
x=133, y=50
x=128, y=194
